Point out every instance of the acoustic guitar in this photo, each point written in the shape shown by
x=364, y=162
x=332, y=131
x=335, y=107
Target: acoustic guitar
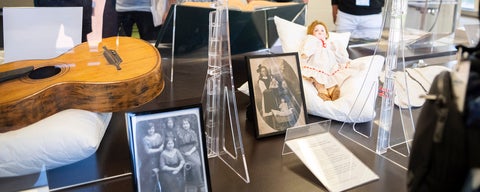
x=121, y=73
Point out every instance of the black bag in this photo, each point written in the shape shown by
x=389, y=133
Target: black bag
x=439, y=155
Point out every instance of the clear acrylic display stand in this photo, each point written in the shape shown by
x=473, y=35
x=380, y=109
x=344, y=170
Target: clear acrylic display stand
x=380, y=136
x=41, y=185
x=304, y=131
x=391, y=132
x=170, y=66
x=224, y=139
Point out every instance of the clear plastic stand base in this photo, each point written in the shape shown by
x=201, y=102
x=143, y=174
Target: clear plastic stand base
x=224, y=139
x=391, y=132
x=387, y=136
x=398, y=139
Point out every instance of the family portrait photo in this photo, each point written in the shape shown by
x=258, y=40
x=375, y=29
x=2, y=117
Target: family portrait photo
x=168, y=150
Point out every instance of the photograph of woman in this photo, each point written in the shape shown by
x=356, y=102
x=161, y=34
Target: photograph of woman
x=268, y=90
x=170, y=128
x=153, y=145
x=172, y=168
x=187, y=140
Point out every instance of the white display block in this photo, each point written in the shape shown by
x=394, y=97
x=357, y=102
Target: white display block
x=40, y=32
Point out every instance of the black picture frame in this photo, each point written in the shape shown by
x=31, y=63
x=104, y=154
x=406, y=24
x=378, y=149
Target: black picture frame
x=271, y=115
x=158, y=165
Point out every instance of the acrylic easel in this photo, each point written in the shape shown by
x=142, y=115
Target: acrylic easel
x=224, y=138
x=379, y=136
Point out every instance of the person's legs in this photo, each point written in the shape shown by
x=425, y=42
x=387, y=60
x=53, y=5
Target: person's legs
x=361, y=27
x=125, y=23
x=345, y=22
x=110, y=23
x=370, y=26
x=145, y=25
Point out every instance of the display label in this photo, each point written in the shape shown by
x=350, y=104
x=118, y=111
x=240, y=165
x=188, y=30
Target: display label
x=331, y=162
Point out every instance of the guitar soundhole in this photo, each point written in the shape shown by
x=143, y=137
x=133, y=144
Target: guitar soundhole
x=44, y=72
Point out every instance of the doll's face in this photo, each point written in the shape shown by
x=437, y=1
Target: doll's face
x=320, y=32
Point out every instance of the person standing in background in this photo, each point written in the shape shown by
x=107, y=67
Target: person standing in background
x=139, y=12
x=363, y=18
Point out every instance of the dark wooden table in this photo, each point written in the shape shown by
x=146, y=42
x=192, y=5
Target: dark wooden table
x=110, y=168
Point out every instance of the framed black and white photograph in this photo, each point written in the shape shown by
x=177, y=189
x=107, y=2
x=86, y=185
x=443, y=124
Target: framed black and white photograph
x=168, y=150
x=276, y=93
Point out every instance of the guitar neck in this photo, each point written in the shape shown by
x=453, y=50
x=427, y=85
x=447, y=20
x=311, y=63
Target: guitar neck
x=16, y=73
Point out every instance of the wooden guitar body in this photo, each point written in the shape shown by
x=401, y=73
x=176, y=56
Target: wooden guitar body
x=81, y=78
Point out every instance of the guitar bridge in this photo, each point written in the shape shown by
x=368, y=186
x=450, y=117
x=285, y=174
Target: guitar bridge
x=112, y=57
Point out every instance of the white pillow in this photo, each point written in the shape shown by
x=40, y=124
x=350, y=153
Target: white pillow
x=358, y=92
x=356, y=103
x=63, y=138
x=419, y=81
x=291, y=35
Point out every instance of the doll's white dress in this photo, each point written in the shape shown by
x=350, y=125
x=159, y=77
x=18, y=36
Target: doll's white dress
x=327, y=61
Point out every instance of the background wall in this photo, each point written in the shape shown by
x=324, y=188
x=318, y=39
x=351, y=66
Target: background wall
x=16, y=3
x=320, y=10
x=316, y=10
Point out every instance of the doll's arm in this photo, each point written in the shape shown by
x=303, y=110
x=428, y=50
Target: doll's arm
x=308, y=48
